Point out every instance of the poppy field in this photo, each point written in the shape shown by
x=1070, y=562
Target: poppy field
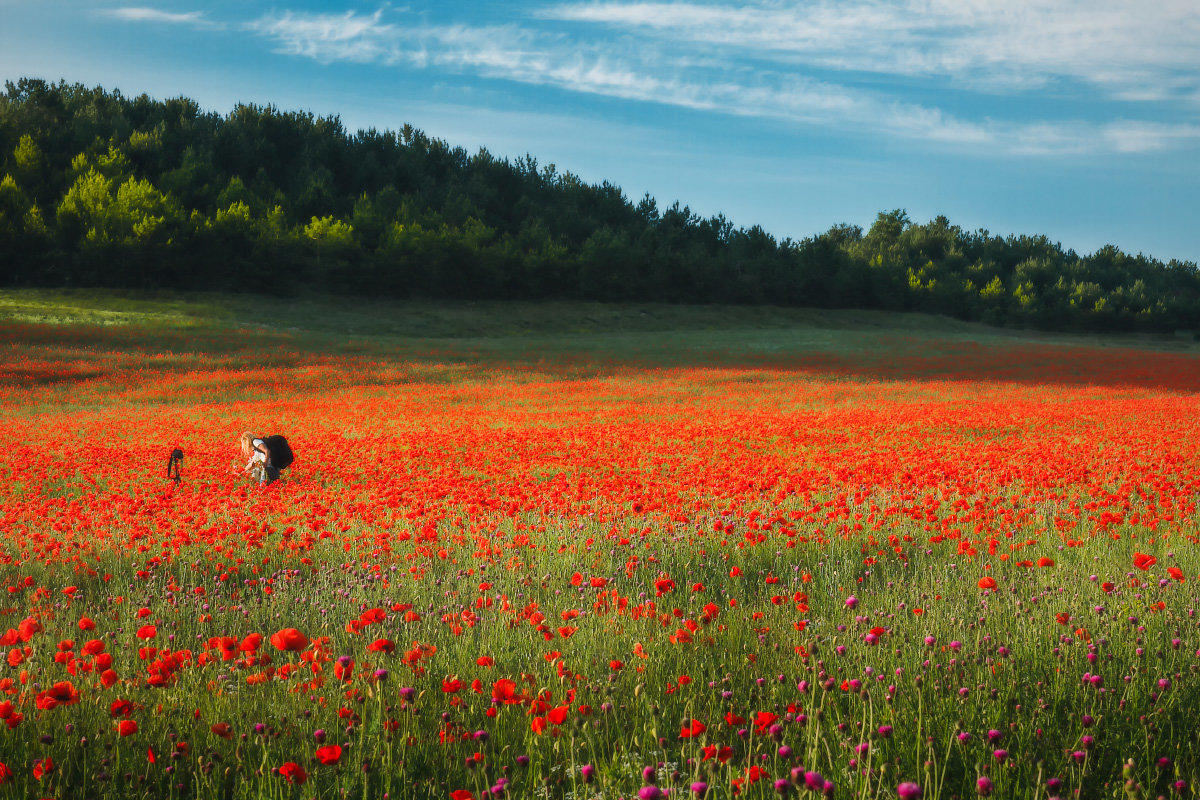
x=916, y=569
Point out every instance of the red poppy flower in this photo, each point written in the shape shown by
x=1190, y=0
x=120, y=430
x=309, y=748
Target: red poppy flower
x=763, y=720
x=1176, y=573
x=222, y=729
x=28, y=629
x=289, y=640
x=121, y=708
x=382, y=646
x=1143, y=561
x=126, y=727
x=1045, y=562
x=329, y=754
x=719, y=752
x=42, y=767
x=5, y=773
x=147, y=632
x=505, y=691
x=293, y=772
x=62, y=693
x=987, y=582
x=694, y=728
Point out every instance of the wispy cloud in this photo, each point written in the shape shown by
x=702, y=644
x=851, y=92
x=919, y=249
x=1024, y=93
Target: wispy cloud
x=1127, y=49
x=331, y=37
x=141, y=14
x=758, y=60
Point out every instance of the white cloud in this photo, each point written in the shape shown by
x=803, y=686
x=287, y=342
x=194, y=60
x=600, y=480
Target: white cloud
x=137, y=14
x=329, y=37
x=756, y=60
x=650, y=74
x=1128, y=49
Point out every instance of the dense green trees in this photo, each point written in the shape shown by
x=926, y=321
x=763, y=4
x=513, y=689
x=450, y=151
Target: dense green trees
x=97, y=189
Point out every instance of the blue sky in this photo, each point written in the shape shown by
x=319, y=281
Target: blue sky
x=1077, y=120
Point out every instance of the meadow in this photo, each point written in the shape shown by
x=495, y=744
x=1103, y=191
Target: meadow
x=588, y=551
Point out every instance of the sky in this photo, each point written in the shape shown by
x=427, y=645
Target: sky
x=1079, y=121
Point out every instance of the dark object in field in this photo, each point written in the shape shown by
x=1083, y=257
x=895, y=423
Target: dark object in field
x=279, y=452
x=175, y=465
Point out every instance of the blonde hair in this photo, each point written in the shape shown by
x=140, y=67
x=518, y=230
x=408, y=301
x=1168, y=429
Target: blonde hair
x=247, y=442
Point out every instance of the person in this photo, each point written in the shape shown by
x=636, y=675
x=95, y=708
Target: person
x=259, y=458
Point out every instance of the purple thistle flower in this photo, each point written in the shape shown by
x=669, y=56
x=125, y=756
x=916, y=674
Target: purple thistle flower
x=909, y=790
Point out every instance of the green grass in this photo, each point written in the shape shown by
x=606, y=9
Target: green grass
x=587, y=338
x=768, y=328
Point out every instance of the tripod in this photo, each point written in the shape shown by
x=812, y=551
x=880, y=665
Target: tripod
x=175, y=465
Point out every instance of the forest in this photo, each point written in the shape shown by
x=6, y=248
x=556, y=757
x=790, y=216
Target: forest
x=102, y=190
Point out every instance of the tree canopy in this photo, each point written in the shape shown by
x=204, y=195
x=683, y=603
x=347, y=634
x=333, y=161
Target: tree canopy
x=97, y=189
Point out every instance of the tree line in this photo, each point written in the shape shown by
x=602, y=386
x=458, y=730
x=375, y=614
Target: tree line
x=98, y=189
